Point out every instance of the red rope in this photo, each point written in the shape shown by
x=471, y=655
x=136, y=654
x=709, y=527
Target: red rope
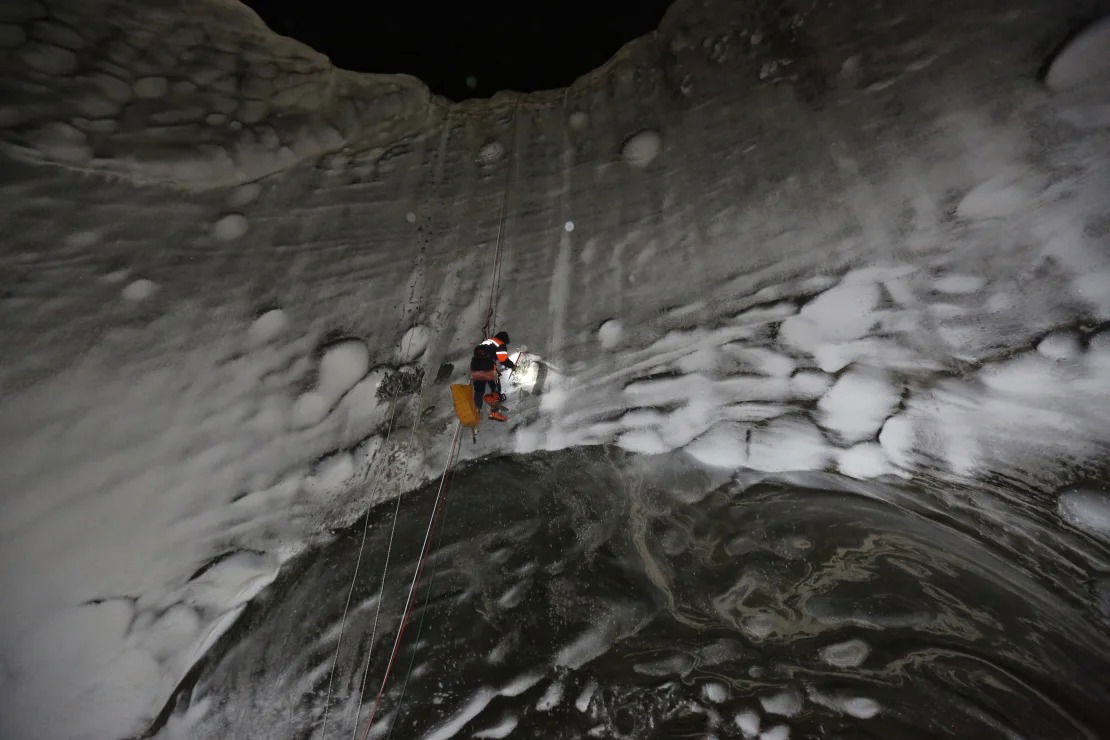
x=407, y=614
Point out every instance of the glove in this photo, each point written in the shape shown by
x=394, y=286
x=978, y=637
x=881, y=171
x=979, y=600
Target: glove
x=509, y=364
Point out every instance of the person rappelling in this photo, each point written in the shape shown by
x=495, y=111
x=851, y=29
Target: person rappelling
x=485, y=369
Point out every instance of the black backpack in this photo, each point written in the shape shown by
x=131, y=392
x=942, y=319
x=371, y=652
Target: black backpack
x=485, y=358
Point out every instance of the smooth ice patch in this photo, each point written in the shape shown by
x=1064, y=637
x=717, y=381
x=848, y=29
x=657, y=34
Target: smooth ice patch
x=139, y=290
x=641, y=149
x=1086, y=509
x=230, y=227
x=847, y=654
x=267, y=327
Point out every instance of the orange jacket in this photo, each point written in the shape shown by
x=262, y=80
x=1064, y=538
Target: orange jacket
x=502, y=351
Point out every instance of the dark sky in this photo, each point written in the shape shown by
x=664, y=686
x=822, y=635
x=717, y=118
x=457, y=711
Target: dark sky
x=522, y=45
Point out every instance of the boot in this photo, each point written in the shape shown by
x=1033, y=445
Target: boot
x=498, y=416
x=492, y=399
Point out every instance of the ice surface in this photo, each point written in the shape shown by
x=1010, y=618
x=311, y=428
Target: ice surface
x=948, y=268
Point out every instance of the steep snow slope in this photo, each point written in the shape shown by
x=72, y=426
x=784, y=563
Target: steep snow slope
x=777, y=236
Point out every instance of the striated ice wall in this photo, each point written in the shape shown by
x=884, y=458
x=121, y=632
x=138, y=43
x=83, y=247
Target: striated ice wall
x=777, y=235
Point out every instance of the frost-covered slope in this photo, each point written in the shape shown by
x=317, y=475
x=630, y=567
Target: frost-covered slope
x=870, y=243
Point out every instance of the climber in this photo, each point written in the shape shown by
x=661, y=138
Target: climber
x=485, y=367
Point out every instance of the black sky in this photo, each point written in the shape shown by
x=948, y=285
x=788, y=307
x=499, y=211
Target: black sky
x=522, y=45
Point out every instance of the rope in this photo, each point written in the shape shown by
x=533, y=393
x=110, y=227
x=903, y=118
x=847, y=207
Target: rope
x=495, y=279
x=405, y=615
x=354, y=581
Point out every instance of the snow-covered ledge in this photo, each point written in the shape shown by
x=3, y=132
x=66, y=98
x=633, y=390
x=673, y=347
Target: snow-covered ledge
x=774, y=246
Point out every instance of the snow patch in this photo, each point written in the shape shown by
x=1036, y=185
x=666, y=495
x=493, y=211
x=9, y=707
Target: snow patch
x=959, y=284
x=858, y=403
x=847, y=654
x=998, y=197
x=504, y=728
x=863, y=461
x=413, y=343
x=551, y=698
x=267, y=327
x=747, y=721
x=1061, y=345
x=784, y=703
x=341, y=367
x=609, y=333
x=778, y=732
x=714, y=691
x=139, y=290
x=582, y=703
x=330, y=473
x=230, y=227
x=641, y=149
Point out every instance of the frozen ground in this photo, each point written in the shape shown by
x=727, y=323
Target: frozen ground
x=235, y=278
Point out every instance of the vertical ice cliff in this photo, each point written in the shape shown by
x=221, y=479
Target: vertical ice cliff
x=865, y=239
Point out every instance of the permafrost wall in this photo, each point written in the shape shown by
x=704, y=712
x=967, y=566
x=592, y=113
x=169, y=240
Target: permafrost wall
x=779, y=236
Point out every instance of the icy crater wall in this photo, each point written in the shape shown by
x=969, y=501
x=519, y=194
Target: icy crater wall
x=779, y=236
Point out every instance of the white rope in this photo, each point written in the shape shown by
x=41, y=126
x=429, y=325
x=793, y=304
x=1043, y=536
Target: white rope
x=351, y=590
x=451, y=455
